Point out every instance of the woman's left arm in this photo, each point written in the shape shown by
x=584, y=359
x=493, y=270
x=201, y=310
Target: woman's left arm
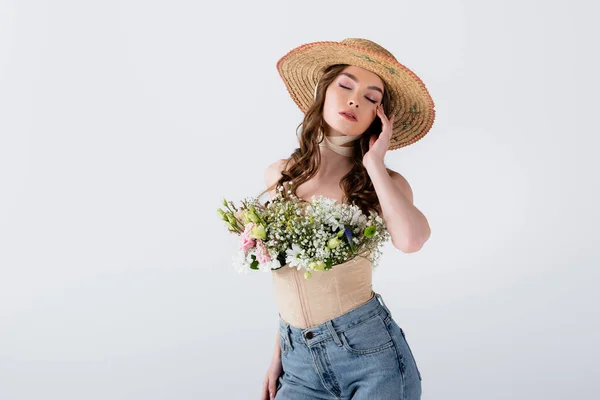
x=407, y=225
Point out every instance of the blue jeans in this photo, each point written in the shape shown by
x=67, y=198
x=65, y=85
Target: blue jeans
x=360, y=355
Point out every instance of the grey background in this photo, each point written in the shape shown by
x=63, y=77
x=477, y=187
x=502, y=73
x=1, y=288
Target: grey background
x=123, y=124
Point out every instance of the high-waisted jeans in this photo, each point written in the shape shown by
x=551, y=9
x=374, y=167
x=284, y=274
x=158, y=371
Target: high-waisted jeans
x=360, y=355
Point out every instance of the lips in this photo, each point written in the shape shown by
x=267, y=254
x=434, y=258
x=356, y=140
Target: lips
x=348, y=115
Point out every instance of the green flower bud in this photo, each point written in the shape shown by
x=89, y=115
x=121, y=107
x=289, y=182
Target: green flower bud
x=253, y=217
x=370, y=231
x=319, y=266
x=230, y=218
x=307, y=275
x=333, y=243
x=258, y=232
x=222, y=214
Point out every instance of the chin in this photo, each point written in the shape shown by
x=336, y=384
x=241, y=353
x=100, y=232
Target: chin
x=349, y=132
x=345, y=130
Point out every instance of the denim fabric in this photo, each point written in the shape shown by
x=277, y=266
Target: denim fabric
x=360, y=355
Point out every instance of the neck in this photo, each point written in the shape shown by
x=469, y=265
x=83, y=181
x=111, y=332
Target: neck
x=342, y=145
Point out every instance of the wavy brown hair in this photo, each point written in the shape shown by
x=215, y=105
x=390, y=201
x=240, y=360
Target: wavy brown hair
x=304, y=162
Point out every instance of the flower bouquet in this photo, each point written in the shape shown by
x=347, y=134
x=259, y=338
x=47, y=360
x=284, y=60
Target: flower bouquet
x=314, y=235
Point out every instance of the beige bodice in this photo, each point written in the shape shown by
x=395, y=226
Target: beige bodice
x=304, y=303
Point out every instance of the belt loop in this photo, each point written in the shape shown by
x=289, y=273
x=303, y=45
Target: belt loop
x=383, y=304
x=286, y=338
x=289, y=336
x=334, y=334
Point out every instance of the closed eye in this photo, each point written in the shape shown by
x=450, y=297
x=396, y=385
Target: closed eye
x=342, y=86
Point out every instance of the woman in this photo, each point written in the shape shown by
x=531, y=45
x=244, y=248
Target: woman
x=336, y=337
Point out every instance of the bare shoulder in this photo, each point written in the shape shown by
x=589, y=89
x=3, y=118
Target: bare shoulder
x=402, y=183
x=273, y=174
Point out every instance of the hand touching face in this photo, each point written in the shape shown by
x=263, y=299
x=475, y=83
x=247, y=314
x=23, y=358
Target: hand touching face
x=378, y=146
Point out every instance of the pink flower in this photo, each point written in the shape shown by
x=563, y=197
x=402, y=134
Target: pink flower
x=246, y=242
x=262, y=253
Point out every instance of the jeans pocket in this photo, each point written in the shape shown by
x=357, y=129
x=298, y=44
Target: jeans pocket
x=368, y=336
x=411, y=353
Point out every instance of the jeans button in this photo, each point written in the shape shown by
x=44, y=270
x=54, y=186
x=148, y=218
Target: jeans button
x=309, y=335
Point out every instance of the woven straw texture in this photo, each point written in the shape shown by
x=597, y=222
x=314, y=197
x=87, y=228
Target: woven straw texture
x=302, y=67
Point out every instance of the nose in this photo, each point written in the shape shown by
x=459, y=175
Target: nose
x=352, y=103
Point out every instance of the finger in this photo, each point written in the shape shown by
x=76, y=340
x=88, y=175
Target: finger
x=272, y=390
x=382, y=115
x=390, y=121
x=265, y=391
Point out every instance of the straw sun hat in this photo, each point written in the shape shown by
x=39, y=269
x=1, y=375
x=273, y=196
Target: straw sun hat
x=302, y=67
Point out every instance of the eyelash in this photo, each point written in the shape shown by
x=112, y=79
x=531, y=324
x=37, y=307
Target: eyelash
x=342, y=86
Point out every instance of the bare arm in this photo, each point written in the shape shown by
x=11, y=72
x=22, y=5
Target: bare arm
x=408, y=227
x=273, y=373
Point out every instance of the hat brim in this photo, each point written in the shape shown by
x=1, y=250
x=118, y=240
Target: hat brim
x=302, y=67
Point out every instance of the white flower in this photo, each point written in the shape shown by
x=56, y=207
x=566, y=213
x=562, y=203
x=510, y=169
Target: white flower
x=273, y=264
x=239, y=262
x=292, y=256
x=301, y=232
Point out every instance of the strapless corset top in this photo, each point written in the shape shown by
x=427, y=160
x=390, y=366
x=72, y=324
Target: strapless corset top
x=304, y=303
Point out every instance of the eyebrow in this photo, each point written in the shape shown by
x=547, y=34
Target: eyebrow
x=349, y=75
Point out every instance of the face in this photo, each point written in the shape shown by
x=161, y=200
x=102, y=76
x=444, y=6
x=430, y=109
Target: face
x=357, y=90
